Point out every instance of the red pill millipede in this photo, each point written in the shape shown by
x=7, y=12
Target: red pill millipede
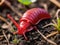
x=29, y=19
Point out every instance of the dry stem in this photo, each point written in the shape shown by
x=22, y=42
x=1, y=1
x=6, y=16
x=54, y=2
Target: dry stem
x=50, y=41
x=47, y=25
x=56, y=3
x=45, y=6
x=2, y=1
x=3, y=19
x=12, y=8
x=5, y=36
x=57, y=13
x=52, y=34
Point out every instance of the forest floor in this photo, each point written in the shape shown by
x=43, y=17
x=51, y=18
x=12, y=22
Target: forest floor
x=16, y=10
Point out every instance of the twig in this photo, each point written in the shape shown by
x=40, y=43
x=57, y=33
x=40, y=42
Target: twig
x=2, y=1
x=52, y=34
x=45, y=37
x=5, y=36
x=12, y=8
x=45, y=6
x=1, y=37
x=47, y=25
x=3, y=19
x=57, y=13
x=56, y=3
x=54, y=22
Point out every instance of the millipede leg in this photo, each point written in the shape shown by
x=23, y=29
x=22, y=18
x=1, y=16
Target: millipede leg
x=31, y=28
x=25, y=36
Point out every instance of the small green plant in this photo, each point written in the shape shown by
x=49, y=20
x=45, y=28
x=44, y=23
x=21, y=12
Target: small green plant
x=26, y=2
x=15, y=41
x=56, y=23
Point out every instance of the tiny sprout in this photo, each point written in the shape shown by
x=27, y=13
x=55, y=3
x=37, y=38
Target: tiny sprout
x=15, y=41
x=55, y=24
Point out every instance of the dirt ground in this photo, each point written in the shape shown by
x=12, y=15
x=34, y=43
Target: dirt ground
x=16, y=10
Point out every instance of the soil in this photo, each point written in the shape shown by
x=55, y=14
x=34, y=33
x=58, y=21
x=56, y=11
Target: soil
x=34, y=37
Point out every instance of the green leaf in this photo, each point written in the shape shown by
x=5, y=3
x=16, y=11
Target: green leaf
x=58, y=23
x=26, y=2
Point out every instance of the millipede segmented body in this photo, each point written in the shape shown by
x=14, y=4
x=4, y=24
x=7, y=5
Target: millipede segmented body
x=29, y=19
x=35, y=14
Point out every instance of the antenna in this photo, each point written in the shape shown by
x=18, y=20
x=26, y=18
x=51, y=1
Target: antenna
x=15, y=23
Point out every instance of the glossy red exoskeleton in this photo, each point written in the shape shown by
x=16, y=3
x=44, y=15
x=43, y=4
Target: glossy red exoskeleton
x=29, y=19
